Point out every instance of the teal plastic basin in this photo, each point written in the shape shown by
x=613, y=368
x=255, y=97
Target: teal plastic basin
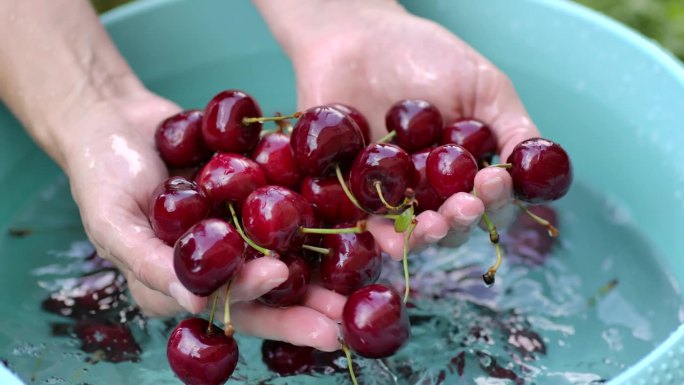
x=613, y=99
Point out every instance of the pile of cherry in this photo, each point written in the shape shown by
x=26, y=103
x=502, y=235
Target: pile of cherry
x=301, y=194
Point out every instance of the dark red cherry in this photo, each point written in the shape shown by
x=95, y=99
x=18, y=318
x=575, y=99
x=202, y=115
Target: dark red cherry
x=272, y=216
x=199, y=357
x=293, y=289
x=450, y=169
x=527, y=241
x=357, y=117
x=325, y=136
x=474, y=136
x=329, y=201
x=427, y=197
x=354, y=261
x=88, y=296
x=541, y=170
x=222, y=126
x=230, y=178
x=287, y=359
x=112, y=341
x=418, y=124
x=176, y=205
x=179, y=140
x=274, y=154
x=375, y=322
x=208, y=255
x=387, y=164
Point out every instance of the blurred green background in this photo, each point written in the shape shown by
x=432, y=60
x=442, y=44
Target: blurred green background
x=662, y=20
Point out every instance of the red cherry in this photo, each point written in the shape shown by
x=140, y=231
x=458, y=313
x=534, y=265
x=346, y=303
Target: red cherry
x=325, y=136
x=329, y=201
x=474, y=136
x=357, y=117
x=295, y=286
x=451, y=169
x=208, y=255
x=230, y=178
x=375, y=322
x=388, y=165
x=176, y=205
x=89, y=295
x=354, y=261
x=112, y=341
x=541, y=170
x=417, y=123
x=274, y=154
x=199, y=357
x=287, y=359
x=222, y=126
x=179, y=140
x=427, y=197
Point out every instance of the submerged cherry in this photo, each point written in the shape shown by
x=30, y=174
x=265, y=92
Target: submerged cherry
x=222, y=126
x=295, y=286
x=357, y=117
x=230, y=178
x=541, y=171
x=353, y=261
x=375, y=322
x=201, y=355
x=427, y=197
x=113, y=342
x=208, y=255
x=274, y=154
x=329, y=201
x=176, y=205
x=451, y=169
x=474, y=136
x=417, y=124
x=179, y=140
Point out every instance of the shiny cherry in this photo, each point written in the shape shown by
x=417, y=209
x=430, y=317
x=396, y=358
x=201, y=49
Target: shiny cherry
x=89, y=295
x=375, y=322
x=230, y=178
x=295, y=286
x=222, y=126
x=114, y=342
x=329, y=201
x=417, y=123
x=176, y=205
x=450, y=169
x=208, y=255
x=357, y=117
x=287, y=359
x=354, y=261
x=427, y=197
x=272, y=216
x=323, y=137
x=179, y=140
x=388, y=165
x=199, y=356
x=274, y=154
x=474, y=136
x=541, y=170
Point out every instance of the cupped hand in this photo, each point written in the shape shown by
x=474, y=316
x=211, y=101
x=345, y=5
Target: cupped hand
x=376, y=56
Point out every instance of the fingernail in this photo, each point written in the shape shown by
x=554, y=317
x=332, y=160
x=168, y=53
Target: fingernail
x=493, y=188
x=431, y=237
x=272, y=283
x=182, y=296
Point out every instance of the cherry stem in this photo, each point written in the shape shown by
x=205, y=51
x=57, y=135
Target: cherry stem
x=348, y=193
x=250, y=242
x=388, y=137
x=262, y=119
x=409, y=231
x=502, y=165
x=211, y=316
x=378, y=189
x=359, y=228
x=320, y=250
x=347, y=353
x=553, y=232
x=228, y=328
x=489, y=276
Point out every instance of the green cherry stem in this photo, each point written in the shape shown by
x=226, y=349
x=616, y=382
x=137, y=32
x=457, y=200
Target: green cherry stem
x=359, y=228
x=378, y=188
x=347, y=353
x=507, y=166
x=345, y=188
x=228, y=328
x=261, y=119
x=250, y=242
x=553, y=232
x=387, y=137
x=409, y=231
x=213, y=310
x=489, y=276
x=320, y=250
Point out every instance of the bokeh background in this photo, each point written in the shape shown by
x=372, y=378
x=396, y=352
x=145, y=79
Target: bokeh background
x=661, y=20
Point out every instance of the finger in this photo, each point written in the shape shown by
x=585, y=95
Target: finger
x=257, y=277
x=151, y=302
x=297, y=325
x=494, y=187
x=325, y=301
x=430, y=228
x=462, y=211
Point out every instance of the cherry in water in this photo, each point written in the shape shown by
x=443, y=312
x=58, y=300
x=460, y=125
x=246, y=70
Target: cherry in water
x=199, y=355
x=293, y=289
x=451, y=169
x=417, y=124
x=230, y=178
x=323, y=137
x=427, y=197
x=112, y=341
x=89, y=295
x=222, y=125
x=541, y=170
x=274, y=154
x=474, y=136
x=329, y=201
x=375, y=322
x=357, y=117
x=179, y=140
x=176, y=205
x=354, y=261
x=208, y=255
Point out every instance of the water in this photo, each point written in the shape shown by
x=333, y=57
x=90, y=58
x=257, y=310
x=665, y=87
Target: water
x=580, y=315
